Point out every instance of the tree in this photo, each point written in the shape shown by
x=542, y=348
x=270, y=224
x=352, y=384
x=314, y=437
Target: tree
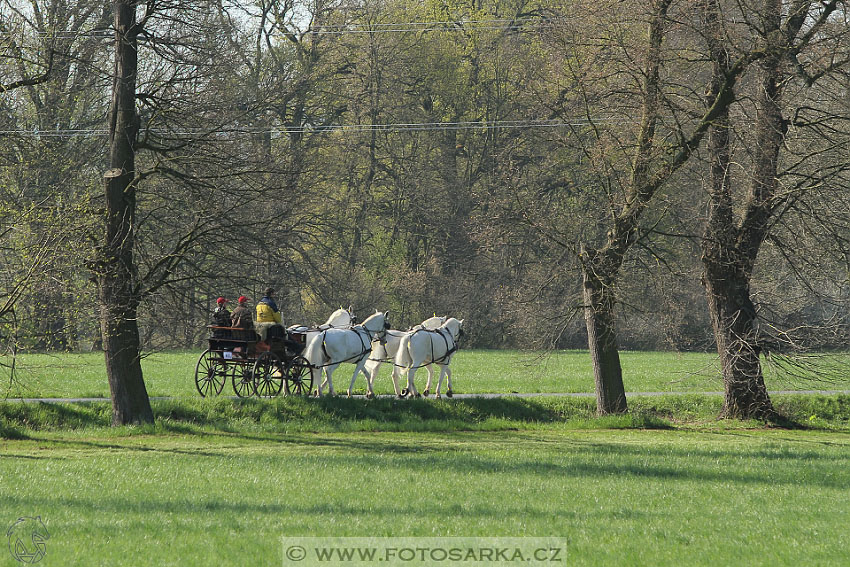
x=115, y=270
x=740, y=222
x=666, y=137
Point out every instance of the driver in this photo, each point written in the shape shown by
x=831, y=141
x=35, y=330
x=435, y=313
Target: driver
x=268, y=312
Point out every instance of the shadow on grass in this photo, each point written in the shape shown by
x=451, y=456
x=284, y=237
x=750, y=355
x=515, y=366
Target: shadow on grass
x=257, y=417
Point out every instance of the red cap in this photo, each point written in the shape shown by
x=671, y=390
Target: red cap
x=243, y=299
x=221, y=301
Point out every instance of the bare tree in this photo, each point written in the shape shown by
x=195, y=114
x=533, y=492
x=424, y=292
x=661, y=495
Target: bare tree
x=657, y=154
x=740, y=222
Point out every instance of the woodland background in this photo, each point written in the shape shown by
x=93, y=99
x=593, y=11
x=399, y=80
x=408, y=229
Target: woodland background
x=449, y=157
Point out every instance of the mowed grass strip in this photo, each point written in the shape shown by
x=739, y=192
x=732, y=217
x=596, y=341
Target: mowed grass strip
x=475, y=371
x=635, y=497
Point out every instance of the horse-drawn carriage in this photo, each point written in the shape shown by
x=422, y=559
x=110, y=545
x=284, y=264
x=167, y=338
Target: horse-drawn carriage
x=264, y=366
x=268, y=364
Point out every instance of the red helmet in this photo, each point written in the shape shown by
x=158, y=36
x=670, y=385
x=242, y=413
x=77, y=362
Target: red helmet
x=221, y=301
x=243, y=299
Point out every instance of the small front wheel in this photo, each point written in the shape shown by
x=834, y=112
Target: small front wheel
x=268, y=375
x=299, y=378
x=243, y=381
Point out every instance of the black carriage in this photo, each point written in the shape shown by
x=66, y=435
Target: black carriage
x=254, y=366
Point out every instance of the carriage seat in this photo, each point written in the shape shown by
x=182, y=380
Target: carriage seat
x=232, y=338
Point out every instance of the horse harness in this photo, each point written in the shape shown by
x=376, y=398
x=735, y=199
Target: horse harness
x=366, y=346
x=449, y=350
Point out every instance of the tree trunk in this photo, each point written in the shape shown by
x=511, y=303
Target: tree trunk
x=115, y=275
x=599, y=317
x=733, y=319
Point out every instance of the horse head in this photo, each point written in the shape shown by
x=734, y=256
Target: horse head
x=341, y=318
x=377, y=324
x=454, y=327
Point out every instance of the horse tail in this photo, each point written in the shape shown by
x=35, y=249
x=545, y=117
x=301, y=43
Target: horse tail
x=403, y=358
x=314, y=353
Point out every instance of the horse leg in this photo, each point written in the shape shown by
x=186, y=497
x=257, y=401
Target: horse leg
x=330, y=371
x=317, y=380
x=430, y=368
x=351, y=385
x=394, y=376
x=411, y=387
x=440, y=381
x=371, y=374
x=358, y=368
x=448, y=381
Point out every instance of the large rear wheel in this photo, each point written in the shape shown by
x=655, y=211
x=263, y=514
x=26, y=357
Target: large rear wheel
x=210, y=374
x=268, y=375
x=299, y=379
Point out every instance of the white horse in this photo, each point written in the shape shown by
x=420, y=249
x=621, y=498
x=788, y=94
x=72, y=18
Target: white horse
x=332, y=347
x=385, y=351
x=339, y=319
x=423, y=346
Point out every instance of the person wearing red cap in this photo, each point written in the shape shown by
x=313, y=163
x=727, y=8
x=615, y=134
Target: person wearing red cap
x=221, y=316
x=241, y=316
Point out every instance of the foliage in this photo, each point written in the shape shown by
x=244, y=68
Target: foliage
x=346, y=153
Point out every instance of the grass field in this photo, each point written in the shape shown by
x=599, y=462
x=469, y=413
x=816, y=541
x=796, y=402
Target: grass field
x=727, y=496
x=474, y=371
x=222, y=481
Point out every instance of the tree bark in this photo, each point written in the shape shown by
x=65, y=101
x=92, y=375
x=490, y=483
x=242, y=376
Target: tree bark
x=115, y=276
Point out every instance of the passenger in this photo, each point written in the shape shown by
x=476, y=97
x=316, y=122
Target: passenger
x=241, y=319
x=241, y=316
x=221, y=318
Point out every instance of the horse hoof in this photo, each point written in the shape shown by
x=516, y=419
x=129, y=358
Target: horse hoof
x=418, y=395
x=437, y=396
x=404, y=393
x=426, y=392
x=449, y=394
x=369, y=395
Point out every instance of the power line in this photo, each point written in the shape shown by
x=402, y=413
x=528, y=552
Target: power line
x=458, y=25
x=395, y=127
x=504, y=24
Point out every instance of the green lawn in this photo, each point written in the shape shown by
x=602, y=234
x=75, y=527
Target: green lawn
x=474, y=371
x=716, y=496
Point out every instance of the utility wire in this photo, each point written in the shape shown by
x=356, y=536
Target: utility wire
x=342, y=29
x=400, y=127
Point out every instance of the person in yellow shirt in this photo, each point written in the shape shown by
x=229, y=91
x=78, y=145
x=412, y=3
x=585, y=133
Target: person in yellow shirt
x=268, y=312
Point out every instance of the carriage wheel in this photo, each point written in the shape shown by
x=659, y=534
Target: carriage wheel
x=210, y=374
x=243, y=381
x=299, y=379
x=268, y=375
